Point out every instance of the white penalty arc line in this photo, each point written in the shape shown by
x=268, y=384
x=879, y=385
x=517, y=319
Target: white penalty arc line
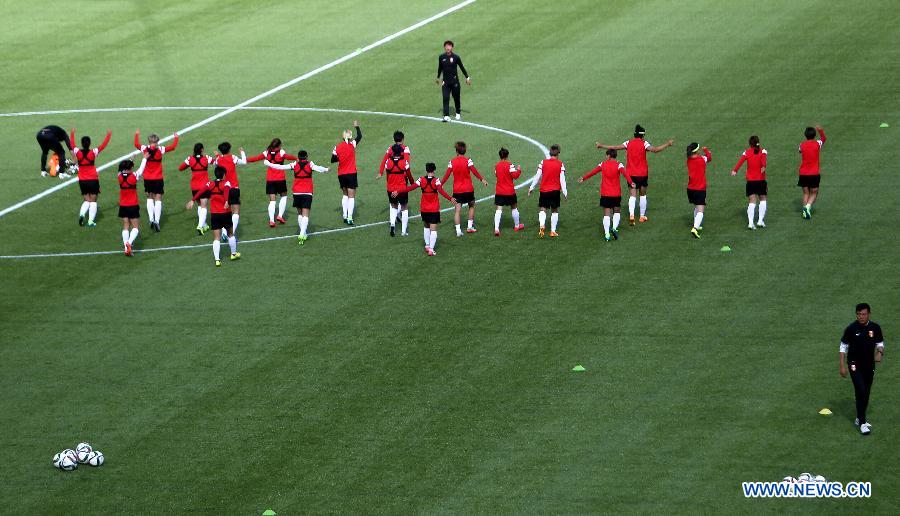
x=252, y=100
x=539, y=145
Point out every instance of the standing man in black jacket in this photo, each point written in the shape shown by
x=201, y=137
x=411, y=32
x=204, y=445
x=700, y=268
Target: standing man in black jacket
x=447, y=63
x=862, y=345
x=52, y=138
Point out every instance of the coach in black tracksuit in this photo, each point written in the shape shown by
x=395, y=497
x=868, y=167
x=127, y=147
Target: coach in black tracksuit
x=52, y=138
x=861, y=346
x=447, y=63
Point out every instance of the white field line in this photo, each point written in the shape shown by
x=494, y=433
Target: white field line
x=522, y=137
x=255, y=99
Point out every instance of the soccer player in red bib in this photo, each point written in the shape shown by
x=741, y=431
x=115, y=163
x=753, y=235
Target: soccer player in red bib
x=129, y=210
x=229, y=162
x=505, y=192
x=219, y=190
x=461, y=169
x=636, y=166
x=397, y=168
x=551, y=176
x=276, y=185
x=303, y=188
x=344, y=154
x=757, y=187
x=154, y=184
x=199, y=163
x=430, y=207
x=610, y=191
x=696, y=187
x=809, y=168
x=88, y=180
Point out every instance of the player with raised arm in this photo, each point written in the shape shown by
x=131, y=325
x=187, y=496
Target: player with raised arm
x=448, y=78
x=129, y=208
x=696, y=187
x=199, y=163
x=551, y=176
x=302, y=189
x=344, y=154
x=229, y=161
x=88, y=180
x=154, y=182
x=430, y=207
x=636, y=166
x=460, y=168
x=757, y=187
x=505, y=191
x=221, y=216
x=610, y=191
x=810, y=176
x=397, y=168
x=276, y=185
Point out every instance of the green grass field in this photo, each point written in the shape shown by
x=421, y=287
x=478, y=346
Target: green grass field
x=357, y=375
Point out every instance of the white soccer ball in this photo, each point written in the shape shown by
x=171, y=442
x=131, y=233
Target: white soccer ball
x=56, y=458
x=819, y=478
x=805, y=477
x=67, y=463
x=84, y=456
x=789, y=480
x=82, y=447
x=69, y=452
x=96, y=459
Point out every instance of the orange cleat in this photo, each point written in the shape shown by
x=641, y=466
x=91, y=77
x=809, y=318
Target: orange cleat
x=128, y=251
x=643, y=219
x=631, y=221
x=554, y=234
x=541, y=232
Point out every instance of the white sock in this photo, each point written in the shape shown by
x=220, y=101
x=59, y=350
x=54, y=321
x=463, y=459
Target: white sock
x=299, y=220
x=631, y=201
x=271, y=212
x=124, y=236
x=282, y=205
x=458, y=230
x=515, y=214
x=133, y=236
x=232, y=243
x=554, y=221
x=606, y=224
x=344, y=200
x=201, y=217
x=762, y=212
x=433, y=239
x=695, y=211
x=750, y=209
x=151, y=210
x=225, y=232
x=216, y=246
x=404, y=221
x=235, y=218
x=351, y=203
x=698, y=219
x=92, y=211
x=497, y=215
x=426, y=234
x=471, y=223
x=393, y=215
x=643, y=201
x=616, y=218
x=304, y=223
x=157, y=211
x=542, y=219
x=84, y=209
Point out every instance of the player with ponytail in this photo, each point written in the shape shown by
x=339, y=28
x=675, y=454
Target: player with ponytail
x=757, y=187
x=88, y=180
x=199, y=163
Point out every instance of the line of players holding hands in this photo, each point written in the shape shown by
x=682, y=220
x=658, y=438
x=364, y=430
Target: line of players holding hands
x=220, y=197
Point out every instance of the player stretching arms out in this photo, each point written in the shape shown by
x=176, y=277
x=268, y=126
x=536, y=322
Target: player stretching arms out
x=153, y=176
x=551, y=176
x=276, y=186
x=636, y=166
x=696, y=187
x=199, y=163
x=221, y=217
x=430, y=207
x=809, y=168
x=344, y=154
x=610, y=191
x=129, y=210
x=460, y=167
x=397, y=168
x=88, y=180
x=302, y=189
x=230, y=162
x=505, y=193
x=757, y=188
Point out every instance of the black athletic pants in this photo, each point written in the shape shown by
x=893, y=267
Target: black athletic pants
x=447, y=89
x=862, y=386
x=49, y=142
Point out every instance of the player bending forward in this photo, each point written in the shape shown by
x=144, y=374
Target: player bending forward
x=219, y=190
x=276, y=185
x=154, y=182
x=199, y=163
x=696, y=187
x=809, y=168
x=757, y=188
x=88, y=180
x=551, y=176
x=610, y=191
x=430, y=207
x=302, y=189
x=344, y=154
x=129, y=209
x=505, y=192
x=397, y=168
x=460, y=168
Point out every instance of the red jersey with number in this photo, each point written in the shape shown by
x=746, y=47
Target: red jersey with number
x=696, y=166
x=128, y=195
x=609, y=171
x=461, y=169
x=387, y=156
x=756, y=162
x=218, y=195
x=506, y=174
x=809, y=156
x=277, y=156
x=154, y=170
x=636, y=154
x=551, y=169
x=431, y=188
x=346, y=156
x=199, y=170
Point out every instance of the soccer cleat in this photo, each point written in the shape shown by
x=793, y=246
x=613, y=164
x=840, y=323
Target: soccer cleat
x=865, y=428
x=751, y=227
x=541, y=232
x=459, y=234
x=218, y=263
x=426, y=249
x=695, y=233
x=471, y=230
x=91, y=224
x=607, y=237
x=631, y=221
x=615, y=233
x=496, y=232
x=301, y=239
x=458, y=117
x=392, y=230
x=235, y=256
x=44, y=173
x=280, y=220
x=806, y=213
x=760, y=224
x=128, y=251
x=350, y=222
x=345, y=220
x=856, y=422
x=200, y=230
x=643, y=219
x=430, y=251
x=81, y=220
x=554, y=234
x=271, y=224
x=404, y=234
x=153, y=225
x=446, y=118
x=520, y=227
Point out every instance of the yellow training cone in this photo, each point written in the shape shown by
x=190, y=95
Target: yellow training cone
x=825, y=412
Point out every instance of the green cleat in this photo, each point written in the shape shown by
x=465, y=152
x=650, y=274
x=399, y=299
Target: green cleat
x=236, y=256
x=615, y=234
x=695, y=233
x=218, y=263
x=91, y=224
x=302, y=239
x=607, y=237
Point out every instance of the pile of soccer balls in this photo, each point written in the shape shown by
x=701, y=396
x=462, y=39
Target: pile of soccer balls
x=803, y=478
x=84, y=453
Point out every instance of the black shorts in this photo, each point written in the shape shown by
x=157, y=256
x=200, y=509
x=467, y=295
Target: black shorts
x=697, y=197
x=302, y=201
x=402, y=198
x=234, y=197
x=640, y=181
x=220, y=221
x=809, y=181
x=154, y=186
x=348, y=181
x=130, y=212
x=549, y=199
x=276, y=187
x=89, y=186
x=610, y=202
x=757, y=188
x=464, y=197
x=505, y=200
x=206, y=195
x=431, y=217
